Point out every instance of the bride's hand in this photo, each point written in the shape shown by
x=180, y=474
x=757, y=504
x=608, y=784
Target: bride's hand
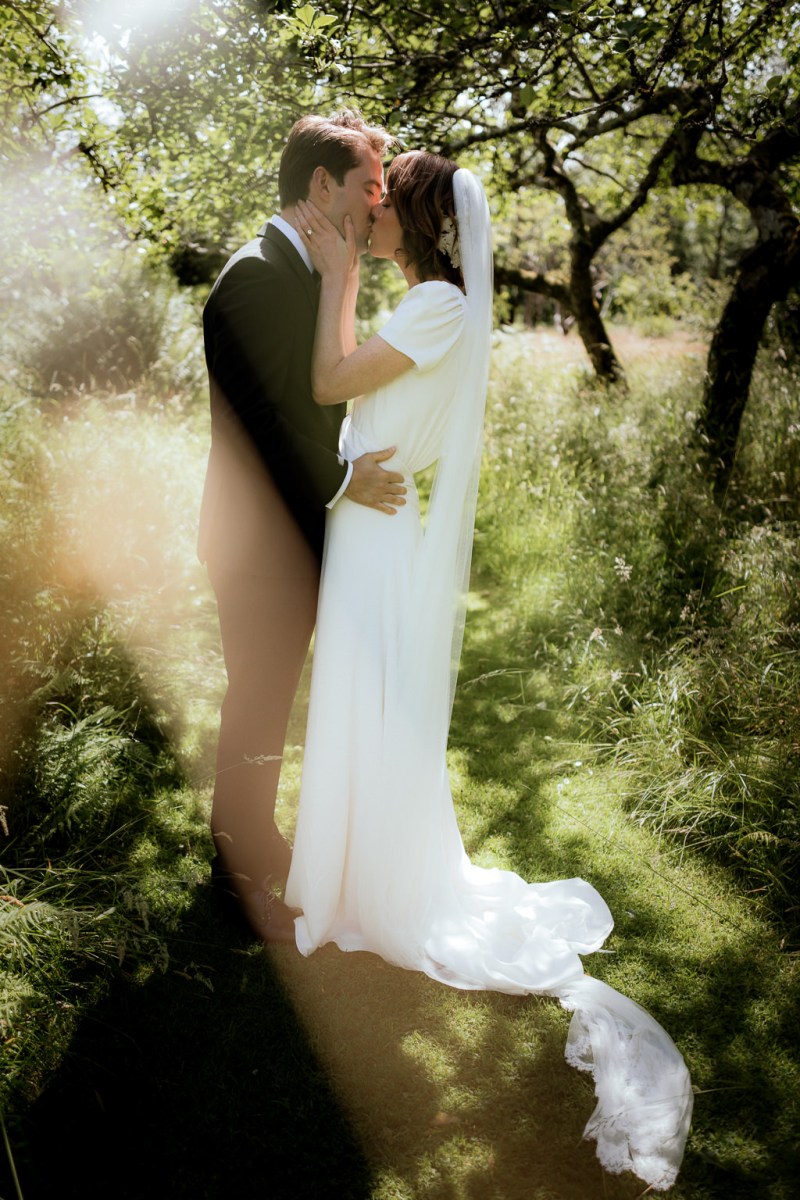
x=330, y=252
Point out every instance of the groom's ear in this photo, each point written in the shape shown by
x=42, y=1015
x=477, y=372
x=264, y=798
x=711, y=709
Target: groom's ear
x=320, y=187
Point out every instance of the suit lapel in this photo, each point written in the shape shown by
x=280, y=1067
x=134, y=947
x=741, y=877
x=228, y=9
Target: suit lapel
x=294, y=263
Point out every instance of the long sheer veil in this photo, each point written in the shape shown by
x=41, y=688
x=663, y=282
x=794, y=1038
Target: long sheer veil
x=441, y=582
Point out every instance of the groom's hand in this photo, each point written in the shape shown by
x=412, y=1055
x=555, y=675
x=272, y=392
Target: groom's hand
x=375, y=487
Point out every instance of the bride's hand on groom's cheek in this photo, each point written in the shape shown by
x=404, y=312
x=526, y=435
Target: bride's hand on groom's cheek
x=329, y=250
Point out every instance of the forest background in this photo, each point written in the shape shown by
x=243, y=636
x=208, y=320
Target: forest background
x=629, y=700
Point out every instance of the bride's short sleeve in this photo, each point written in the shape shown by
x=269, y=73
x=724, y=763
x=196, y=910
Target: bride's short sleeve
x=427, y=323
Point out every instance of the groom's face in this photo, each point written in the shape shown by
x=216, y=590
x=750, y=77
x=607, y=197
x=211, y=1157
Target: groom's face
x=356, y=197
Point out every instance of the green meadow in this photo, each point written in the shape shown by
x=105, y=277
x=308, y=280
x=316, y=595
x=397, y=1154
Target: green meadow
x=627, y=711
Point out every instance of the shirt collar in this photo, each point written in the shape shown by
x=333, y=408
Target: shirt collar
x=291, y=233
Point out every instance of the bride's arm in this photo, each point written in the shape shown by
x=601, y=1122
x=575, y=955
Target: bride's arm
x=340, y=370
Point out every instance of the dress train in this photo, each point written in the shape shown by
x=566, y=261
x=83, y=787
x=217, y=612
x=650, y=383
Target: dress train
x=379, y=864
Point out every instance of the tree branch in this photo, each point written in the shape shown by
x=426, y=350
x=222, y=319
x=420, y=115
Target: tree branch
x=782, y=144
x=560, y=182
x=527, y=281
x=70, y=100
x=604, y=229
x=15, y=8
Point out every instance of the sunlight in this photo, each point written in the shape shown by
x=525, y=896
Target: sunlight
x=114, y=20
x=116, y=496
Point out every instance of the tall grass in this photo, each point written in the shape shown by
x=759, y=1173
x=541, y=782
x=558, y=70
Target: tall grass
x=672, y=623
x=98, y=590
x=634, y=618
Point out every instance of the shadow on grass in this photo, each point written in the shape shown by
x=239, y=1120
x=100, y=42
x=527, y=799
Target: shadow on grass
x=453, y=1094
x=739, y=1033
x=323, y=1077
x=246, y=1073
x=199, y=1082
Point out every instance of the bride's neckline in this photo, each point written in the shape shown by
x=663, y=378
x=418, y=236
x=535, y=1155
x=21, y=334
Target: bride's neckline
x=444, y=282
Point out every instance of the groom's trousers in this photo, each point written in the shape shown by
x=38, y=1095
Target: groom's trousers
x=266, y=622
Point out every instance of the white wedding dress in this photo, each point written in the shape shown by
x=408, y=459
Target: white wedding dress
x=378, y=861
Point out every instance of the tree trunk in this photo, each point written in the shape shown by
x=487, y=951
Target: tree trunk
x=587, y=316
x=765, y=275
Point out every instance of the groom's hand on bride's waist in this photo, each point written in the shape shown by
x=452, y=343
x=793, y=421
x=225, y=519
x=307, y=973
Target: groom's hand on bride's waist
x=374, y=486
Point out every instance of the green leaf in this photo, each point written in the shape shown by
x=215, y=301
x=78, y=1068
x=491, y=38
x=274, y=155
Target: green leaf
x=649, y=31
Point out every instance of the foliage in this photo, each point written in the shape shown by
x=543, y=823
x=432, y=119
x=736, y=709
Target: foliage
x=784, y=328
x=202, y=99
x=88, y=741
x=81, y=309
x=101, y=337
x=676, y=628
x=43, y=100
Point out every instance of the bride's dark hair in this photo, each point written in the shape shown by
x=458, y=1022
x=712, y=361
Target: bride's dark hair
x=421, y=189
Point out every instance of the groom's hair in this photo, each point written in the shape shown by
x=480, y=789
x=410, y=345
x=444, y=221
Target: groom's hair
x=335, y=143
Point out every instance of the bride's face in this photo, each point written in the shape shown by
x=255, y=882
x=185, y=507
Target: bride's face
x=387, y=235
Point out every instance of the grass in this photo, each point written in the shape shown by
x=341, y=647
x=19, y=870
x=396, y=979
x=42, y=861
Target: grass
x=674, y=624
x=626, y=711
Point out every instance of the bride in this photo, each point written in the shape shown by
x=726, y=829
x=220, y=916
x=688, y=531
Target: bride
x=378, y=862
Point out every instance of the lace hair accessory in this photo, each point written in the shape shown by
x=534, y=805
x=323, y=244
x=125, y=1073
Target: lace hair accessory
x=449, y=243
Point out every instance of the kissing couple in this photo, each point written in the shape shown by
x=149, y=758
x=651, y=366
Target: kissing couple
x=311, y=515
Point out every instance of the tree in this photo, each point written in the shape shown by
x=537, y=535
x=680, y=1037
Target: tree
x=47, y=89
x=575, y=94
x=601, y=105
x=180, y=117
x=758, y=177
x=202, y=104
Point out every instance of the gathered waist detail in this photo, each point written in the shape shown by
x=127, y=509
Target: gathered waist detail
x=352, y=445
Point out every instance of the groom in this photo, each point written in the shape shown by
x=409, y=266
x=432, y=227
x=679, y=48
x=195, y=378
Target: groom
x=272, y=471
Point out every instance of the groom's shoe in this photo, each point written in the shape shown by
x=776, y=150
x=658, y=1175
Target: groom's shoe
x=260, y=911
x=269, y=917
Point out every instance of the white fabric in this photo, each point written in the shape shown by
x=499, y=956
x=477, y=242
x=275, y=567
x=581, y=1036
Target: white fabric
x=345, y=483
x=423, y=331
x=378, y=862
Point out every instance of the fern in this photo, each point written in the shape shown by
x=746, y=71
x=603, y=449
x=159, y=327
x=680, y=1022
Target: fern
x=16, y=994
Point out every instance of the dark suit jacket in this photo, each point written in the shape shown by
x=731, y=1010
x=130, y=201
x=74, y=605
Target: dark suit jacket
x=273, y=464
